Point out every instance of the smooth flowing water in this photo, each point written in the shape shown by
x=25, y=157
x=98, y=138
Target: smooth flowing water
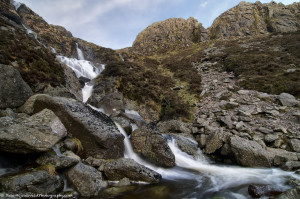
x=191, y=177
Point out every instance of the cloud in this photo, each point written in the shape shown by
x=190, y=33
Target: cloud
x=204, y=4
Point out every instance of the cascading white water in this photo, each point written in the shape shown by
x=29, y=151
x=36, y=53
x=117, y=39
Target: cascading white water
x=29, y=31
x=82, y=68
x=200, y=176
x=226, y=177
x=16, y=4
x=80, y=55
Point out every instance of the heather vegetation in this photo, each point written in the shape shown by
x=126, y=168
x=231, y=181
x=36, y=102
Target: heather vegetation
x=35, y=63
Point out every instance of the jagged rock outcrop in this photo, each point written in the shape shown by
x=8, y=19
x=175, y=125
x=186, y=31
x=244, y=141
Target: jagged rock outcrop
x=97, y=133
x=245, y=19
x=13, y=90
x=60, y=39
x=250, y=19
x=169, y=34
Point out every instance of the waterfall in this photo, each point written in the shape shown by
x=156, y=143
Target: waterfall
x=82, y=68
x=201, y=178
x=16, y=4
x=29, y=31
x=79, y=53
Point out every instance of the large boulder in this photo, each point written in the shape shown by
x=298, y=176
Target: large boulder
x=58, y=161
x=98, y=134
x=186, y=144
x=214, y=141
x=120, y=168
x=152, y=146
x=287, y=99
x=33, y=182
x=249, y=153
x=87, y=180
x=13, y=89
x=37, y=133
x=112, y=103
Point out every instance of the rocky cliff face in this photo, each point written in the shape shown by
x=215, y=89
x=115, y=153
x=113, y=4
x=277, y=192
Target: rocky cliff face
x=249, y=19
x=60, y=39
x=170, y=34
x=245, y=19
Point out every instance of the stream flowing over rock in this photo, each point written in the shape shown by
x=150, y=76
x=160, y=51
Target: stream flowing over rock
x=153, y=146
x=97, y=133
x=37, y=133
x=13, y=89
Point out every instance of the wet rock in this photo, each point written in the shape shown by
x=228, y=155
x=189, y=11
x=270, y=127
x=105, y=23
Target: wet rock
x=112, y=103
x=249, y=153
x=257, y=191
x=124, y=123
x=86, y=179
x=152, y=146
x=214, y=141
x=59, y=162
x=37, y=133
x=33, y=182
x=97, y=133
x=287, y=99
x=123, y=182
x=13, y=89
x=174, y=126
x=294, y=144
x=187, y=145
x=120, y=168
x=117, y=191
x=83, y=80
x=291, y=165
x=290, y=194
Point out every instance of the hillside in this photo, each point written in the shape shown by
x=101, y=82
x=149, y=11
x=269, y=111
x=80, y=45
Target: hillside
x=187, y=110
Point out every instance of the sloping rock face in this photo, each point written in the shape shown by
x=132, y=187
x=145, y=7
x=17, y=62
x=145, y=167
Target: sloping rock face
x=97, y=133
x=37, y=133
x=120, y=168
x=13, y=90
x=249, y=19
x=168, y=34
x=33, y=182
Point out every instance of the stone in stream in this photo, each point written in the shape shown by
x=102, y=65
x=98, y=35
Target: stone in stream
x=120, y=168
x=249, y=153
x=152, y=146
x=32, y=182
x=257, y=191
x=37, y=133
x=13, y=89
x=97, y=133
x=290, y=194
x=86, y=179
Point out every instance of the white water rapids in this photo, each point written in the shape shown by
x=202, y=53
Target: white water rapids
x=194, y=176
